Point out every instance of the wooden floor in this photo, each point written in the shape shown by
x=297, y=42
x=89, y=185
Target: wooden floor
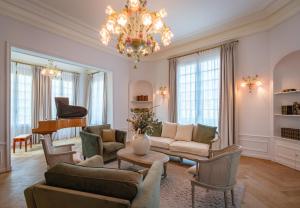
x=268, y=184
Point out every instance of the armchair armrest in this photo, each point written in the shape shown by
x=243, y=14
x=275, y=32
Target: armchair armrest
x=62, y=153
x=65, y=147
x=121, y=136
x=91, y=144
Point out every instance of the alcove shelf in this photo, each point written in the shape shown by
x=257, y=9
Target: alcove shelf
x=140, y=87
x=286, y=75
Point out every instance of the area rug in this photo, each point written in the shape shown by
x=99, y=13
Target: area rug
x=176, y=189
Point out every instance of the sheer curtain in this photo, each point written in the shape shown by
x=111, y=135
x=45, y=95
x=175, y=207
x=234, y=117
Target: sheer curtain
x=97, y=99
x=64, y=86
x=198, y=88
x=21, y=98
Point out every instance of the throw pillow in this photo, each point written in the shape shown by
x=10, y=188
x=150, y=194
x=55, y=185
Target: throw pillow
x=205, y=133
x=184, y=132
x=157, y=129
x=108, y=135
x=117, y=183
x=169, y=130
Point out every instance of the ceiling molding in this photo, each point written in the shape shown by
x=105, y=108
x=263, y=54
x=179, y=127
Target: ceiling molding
x=41, y=15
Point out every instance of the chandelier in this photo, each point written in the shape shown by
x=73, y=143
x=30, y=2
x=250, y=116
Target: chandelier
x=51, y=70
x=136, y=27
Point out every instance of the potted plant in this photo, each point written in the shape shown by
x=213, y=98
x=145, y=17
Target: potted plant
x=142, y=121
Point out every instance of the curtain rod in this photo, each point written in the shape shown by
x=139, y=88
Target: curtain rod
x=203, y=49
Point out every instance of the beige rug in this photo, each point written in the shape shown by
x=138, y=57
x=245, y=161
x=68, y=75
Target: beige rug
x=176, y=189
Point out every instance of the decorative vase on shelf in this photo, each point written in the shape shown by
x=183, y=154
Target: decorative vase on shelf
x=141, y=144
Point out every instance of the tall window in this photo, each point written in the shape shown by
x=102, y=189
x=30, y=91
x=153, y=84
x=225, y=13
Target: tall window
x=198, y=88
x=96, y=98
x=21, y=98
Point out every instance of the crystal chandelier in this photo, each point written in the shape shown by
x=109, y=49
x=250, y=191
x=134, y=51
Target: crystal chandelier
x=51, y=70
x=136, y=27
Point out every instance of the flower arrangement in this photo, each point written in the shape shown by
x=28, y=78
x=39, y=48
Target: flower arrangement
x=142, y=121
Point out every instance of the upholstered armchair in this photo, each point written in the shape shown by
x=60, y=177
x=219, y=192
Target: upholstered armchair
x=218, y=172
x=57, y=154
x=92, y=143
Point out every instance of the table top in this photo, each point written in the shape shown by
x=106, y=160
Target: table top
x=145, y=160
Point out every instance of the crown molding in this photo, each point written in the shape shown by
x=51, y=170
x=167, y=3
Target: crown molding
x=264, y=21
x=42, y=16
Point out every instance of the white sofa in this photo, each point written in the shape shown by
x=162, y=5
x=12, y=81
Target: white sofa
x=191, y=150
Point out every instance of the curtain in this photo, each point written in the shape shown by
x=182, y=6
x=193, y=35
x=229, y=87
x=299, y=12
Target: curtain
x=97, y=100
x=227, y=122
x=21, y=98
x=172, y=90
x=104, y=115
x=198, y=87
x=63, y=86
x=41, y=99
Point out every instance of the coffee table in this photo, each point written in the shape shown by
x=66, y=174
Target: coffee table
x=146, y=161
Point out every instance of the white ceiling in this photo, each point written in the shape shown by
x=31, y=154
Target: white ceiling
x=185, y=17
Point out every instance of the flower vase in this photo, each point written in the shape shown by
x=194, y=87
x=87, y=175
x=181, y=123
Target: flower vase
x=141, y=144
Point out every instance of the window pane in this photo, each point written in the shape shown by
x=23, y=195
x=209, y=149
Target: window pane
x=198, y=89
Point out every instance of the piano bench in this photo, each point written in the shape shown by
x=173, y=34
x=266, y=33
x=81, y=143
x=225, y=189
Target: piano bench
x=20, y=139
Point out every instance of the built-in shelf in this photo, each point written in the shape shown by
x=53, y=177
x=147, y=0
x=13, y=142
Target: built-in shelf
x=291, y=92
x=141, y=102
x=284, y=115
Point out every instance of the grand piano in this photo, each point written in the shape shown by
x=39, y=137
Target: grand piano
x=50, y=126
x=68, y=116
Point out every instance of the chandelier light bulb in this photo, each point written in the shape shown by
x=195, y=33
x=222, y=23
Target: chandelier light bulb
x=122, y=20
x=157, y=47
x=110, y=25
x=134, y=4
x=163, y=13
x=109, y=10
x=147, y=19
x=158, y=24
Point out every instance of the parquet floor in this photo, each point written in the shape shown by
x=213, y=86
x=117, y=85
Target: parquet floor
x=268, y=184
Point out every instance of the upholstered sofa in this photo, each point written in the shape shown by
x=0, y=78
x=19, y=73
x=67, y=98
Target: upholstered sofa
x=71, y=186
x=191, y=149
x=93, y=144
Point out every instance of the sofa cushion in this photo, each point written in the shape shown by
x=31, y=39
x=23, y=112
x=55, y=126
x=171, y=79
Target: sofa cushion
x=194, y=148
x=184, y=132
x=97, y=129
x=108, y=135
x=108, y=182
x=109, y=147
x=205, y=134
x=169, y=130
x=161, y=142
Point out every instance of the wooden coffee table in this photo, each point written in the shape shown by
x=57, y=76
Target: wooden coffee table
x=146, y=161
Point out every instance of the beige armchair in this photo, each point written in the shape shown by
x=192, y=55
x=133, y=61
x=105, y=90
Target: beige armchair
x=217, y=173
x=57, y=154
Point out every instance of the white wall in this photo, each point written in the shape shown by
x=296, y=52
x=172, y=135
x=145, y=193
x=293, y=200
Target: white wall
x=28, y=37
x=257, y=54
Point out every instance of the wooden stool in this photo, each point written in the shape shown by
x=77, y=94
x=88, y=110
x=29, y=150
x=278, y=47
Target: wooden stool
x=20, y=139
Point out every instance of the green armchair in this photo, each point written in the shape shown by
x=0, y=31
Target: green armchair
x=92, y=143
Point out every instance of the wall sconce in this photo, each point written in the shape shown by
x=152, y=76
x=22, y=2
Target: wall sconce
x=251, y=82
x=163, y=91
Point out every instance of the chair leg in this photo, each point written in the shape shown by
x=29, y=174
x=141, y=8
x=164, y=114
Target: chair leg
x=225, y=199
x=181, y=160
x=193, y=195
x=232, y=197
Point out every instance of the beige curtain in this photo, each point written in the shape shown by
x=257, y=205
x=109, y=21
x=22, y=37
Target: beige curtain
x=227, y=121
x=104, y=115
x=41, y=99
x=173, y=90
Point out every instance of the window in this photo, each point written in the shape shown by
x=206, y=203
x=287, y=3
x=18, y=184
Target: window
x=198, y=82
x=96, y=99
x=21, y=98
